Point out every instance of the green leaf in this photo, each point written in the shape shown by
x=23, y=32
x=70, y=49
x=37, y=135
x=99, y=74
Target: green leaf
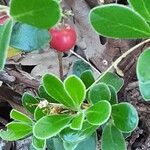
x=5, y=33
x=112, y=138
x=77, y=122
x=43, y=94
x=143, y=75
x=76, y=89
x=41, y=14
x=18, y=116
x=74, y=136
x=79, y=67
x=113, y=80
x=38, y=144
x=28, y=38
x=87, y=78
x=99, y=92
x=142, y=7
x=69, y=146
x=39, y=113
x=125, y=117
x=99, y=113
x=16, y=131
x=55, y=88
x=118, y=21
x=29, y=102
x=114, y=97
x=50, y=126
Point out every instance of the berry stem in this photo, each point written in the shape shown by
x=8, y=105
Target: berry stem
x=87, y=62
x=115, y=64
x=60, y=61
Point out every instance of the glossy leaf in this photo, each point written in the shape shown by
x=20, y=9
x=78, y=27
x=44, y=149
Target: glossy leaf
x=76, y=89
x=38, y=144
x=125, y=116
x=87, y=78
x=143, y=75
x=43, y=94
x=99, y=92
x=77, y=122
x=74, y=136
x=50, y=126
x=114, y=97
x=142, y=7
x=118, y=21
x=112, y=138
x=28, y=38
x=55, y=88
x=16, y=131
x=29, y=102
x=113, y=80
x=39, y=113
x=41, y=14
x=99, y=113
x=18, y=116
x=5, y=33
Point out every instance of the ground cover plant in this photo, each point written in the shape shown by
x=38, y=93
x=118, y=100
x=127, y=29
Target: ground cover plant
x=70, y=110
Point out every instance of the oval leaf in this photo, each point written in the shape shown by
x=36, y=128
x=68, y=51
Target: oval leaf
x=114, y=97
x=38, y=144
x=16, y=131
x=99, y=92
x=77, y=122
x=18, y=116
x=28, y=38
x=5, y=33
x=143, y=69
x=118, y=21
x=99, y=113
x=29, y=102
x=50, y=126
x=41, y=14
x=76, y=89
x=39, y=113
x=113, y=80
x=125, y=117
x=142, y=7
x=55, y=88
x=112, y=138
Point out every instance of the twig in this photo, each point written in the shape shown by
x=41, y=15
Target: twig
x=60, y=65
x=115, y=64
x=87, y=62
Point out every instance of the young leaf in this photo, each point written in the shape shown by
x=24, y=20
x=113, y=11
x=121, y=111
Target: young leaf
x=38, y=144
x=55, y=88
x=99, y=92
x=16, y=131
x=113, y=80
x=125, y=116
x=99, y=113
x=114, y=97
x=87, y=78
x=74, y=136
x=112, y=138
x=18, y=116
x=69, y=146
x=43, y=94
x=77, y=122
x=29, y=102
x=118, y=21
x=28, y=38
x=41, y=14
x=143, y=70
x=39, y=113
x=142, y=7
x=5, y=33
x=76, y=89
x=50, y=126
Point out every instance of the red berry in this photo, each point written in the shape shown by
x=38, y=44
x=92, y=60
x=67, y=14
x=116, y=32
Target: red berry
x=63, y=39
